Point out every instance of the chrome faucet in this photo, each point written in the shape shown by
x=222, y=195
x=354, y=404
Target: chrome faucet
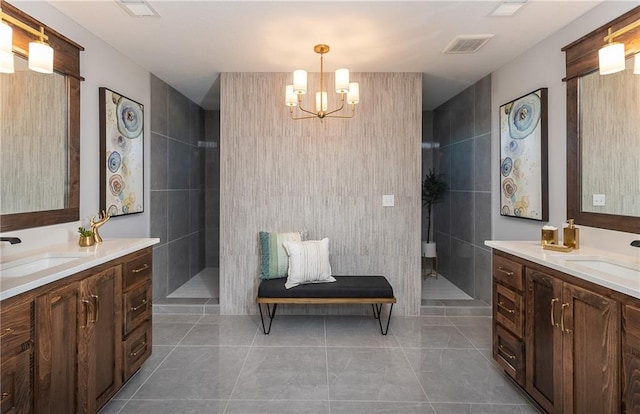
x=12, y=240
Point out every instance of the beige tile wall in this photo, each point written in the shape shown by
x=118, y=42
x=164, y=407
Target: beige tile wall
x=327, y=177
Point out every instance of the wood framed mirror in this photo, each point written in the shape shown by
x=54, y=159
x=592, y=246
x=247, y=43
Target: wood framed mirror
x=17, y=144
x=599, y=129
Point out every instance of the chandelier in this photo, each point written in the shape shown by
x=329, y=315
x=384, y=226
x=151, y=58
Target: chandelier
x=349, y=92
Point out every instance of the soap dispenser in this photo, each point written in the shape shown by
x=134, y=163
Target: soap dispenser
x=571, y=235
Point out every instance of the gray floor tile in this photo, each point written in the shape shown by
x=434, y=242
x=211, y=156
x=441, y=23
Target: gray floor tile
x=359, y=331
x=158, y=354
x=195, y=373
x=480, y=336
x=228, y=330
x=483, y=409
x=413, y=321
x=278, y=407
x=428, y=336
x=283, y=373
x=372, y=375
x=457, y=375
x=484, y=321
x=170, y=329
x=293, y=331
x=112, y=407
x=174, y=407
x=368, y=407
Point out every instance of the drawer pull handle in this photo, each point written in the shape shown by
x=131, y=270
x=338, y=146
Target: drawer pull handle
x=6, y=332
x=86, y=313
x=96, y=304
x=504, y=351
x=4, y=396
x=553, y=305
x=505, y=271
x=141, y=348
x=135, y=308
x=141, y=269
x=564, y=306
x=503, y=306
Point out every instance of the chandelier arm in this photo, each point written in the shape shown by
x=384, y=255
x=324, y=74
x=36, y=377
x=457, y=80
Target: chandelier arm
x=335, y=110
x=303, y=117
x=309, y=112
x=342, y=116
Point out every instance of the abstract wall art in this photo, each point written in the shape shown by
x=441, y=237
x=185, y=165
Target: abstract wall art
x=523, y=157
x=121, y=154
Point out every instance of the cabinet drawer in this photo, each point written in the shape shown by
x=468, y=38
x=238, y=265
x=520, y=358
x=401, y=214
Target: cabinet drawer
x=137, y=348
x=508, y=309
x=137, y=269
x=137, y=307
x=15, y=323
x=507, y=272
x=508, y=351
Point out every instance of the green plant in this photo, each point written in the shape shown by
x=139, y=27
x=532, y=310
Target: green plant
x=84, y=232
x=433, y=188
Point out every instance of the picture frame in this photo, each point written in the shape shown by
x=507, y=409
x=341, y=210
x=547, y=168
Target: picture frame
x=121, y=154
x=524, y=187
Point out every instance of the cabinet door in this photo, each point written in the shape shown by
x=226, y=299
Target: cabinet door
x=61, y=318
x=591, y=352
x=100, y=350
x=543, y=346
x=15, y=383
x=631, y=359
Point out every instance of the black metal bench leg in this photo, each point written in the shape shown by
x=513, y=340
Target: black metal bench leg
x=270, y=314
x=385, y=330
x=377, y=308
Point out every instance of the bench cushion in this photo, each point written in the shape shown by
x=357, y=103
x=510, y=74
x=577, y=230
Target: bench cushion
x=343, y=287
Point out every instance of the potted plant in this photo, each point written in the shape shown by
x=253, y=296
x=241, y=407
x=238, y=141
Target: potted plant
x=433, y=188
x=86, y=237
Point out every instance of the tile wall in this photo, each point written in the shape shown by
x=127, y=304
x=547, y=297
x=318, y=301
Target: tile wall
x=462, y=222
x=177, y=187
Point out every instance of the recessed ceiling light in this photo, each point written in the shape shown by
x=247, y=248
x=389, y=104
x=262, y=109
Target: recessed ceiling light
x=138, y=8
x=507, y=8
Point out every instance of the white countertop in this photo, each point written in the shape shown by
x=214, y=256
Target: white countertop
x=565, y=263
x=92, y=256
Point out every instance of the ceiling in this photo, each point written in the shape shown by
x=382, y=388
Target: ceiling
x=192, y=42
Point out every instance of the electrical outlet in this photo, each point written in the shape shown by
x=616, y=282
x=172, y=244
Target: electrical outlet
x=388, y=200
x=598, y=200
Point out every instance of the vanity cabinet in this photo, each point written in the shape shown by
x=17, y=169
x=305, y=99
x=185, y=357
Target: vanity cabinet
x=572, y=336
x=16, y=348
x=631, y=358
x=79, y=344
x=68, y=346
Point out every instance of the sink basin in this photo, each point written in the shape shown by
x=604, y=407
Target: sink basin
x=624, y=270
x=33, y=264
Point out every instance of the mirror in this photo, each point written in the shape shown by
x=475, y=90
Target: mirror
x=602, y=132
x=39, y=134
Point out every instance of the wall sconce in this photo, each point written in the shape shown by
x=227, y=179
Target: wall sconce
x=40, y=53
x=611, y=58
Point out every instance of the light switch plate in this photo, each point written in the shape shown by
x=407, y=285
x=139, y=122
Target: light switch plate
x=598, y=199
x=388, y=200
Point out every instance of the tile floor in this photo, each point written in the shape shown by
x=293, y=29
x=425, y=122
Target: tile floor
x=319, y=364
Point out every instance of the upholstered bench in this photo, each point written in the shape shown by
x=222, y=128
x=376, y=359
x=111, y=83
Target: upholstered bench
x=374, y=290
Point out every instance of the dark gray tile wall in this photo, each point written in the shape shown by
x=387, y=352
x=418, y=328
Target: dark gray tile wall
x=177, y=187
x=462, y=222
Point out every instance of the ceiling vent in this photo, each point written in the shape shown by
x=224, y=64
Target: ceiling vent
x=467, y=44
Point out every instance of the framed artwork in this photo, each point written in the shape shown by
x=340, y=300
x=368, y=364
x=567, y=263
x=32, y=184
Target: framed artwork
x=121, y=154
x=523, y=157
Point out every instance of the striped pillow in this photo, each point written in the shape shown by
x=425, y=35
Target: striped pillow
x=308, y=262
x=274, y=259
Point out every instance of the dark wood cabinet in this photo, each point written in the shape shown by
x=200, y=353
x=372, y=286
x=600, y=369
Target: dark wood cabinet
x=67, y=347
x=79, y=344
x=631, y=358
x=571, y=340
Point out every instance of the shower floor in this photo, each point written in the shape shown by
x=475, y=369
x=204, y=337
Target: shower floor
x=203, y=285
x=442, y=289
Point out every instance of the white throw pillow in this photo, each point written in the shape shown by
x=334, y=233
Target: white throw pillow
x=308, y=262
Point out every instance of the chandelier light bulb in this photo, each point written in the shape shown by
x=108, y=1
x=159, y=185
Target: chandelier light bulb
x=611, y=58
x=6, y=38
x=353, y=96
x=300, y=81
x=291, y=99
x=321, y=101
x=342, y=80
